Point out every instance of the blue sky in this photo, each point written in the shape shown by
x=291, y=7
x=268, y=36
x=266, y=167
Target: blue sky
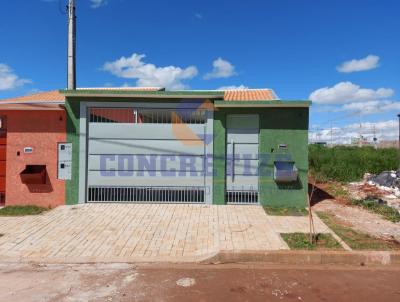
x=344, y=55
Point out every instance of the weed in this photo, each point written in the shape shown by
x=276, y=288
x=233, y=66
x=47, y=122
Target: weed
x=285, y=211
x=21, y=210
x=345, y=164
x=354, y=239
x=301, y=241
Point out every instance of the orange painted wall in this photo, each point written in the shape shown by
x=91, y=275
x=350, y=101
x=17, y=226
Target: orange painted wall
x=41, y=130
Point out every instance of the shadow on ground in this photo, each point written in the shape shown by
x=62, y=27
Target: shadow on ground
x=318, y=195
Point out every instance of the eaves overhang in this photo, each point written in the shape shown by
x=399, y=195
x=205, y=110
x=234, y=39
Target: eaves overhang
x=184, y=94
x=259, y=104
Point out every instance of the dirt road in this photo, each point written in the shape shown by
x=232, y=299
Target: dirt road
x=125, y=282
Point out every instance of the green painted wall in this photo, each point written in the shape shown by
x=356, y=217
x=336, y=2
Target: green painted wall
x=277, y=126
x=72, y=186
x=219, y=157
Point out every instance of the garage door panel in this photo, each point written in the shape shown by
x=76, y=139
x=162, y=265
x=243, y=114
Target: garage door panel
x=145, y=163
x=160, y=179
x=146, y=131
x=130, y=149
x=165, y=147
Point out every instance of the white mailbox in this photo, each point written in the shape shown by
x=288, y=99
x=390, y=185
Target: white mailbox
x=64, y=161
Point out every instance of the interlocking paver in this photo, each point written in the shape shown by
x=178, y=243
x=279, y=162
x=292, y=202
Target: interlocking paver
x=131, y=232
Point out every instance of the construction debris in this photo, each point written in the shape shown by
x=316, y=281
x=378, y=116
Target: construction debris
x=388, y=181
x=382, y=188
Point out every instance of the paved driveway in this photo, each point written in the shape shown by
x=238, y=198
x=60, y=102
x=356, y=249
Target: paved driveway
x=143, y=232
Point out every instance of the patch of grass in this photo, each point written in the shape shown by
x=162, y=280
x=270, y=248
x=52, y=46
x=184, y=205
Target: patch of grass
x=345, y=164
x=301, y=241
x=356, y=240
x=285, y=211
x=21, y=210
x=387, y=212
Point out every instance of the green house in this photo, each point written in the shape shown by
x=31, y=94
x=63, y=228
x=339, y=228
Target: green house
x=212, y=147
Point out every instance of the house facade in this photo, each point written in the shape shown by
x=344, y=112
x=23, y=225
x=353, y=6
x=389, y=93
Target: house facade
x=30, y=128
x=151, y=145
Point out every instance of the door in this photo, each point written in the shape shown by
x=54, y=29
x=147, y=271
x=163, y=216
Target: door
x=242, y=158
x=142, y=154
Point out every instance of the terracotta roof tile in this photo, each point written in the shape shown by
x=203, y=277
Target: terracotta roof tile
x=249, y=95
x=55, y=96
x=49, y=96
x=229, y=95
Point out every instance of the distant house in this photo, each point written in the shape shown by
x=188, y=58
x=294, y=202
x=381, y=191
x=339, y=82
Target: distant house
x=151, y=145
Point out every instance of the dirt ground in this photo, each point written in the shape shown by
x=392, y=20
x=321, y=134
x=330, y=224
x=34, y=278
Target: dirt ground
x=356, y=217
x=361, y=220
x=253, y=282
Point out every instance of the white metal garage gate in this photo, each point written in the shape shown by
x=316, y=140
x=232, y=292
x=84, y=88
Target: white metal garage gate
x=142, y=154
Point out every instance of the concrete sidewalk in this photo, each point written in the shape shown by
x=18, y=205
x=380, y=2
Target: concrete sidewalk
x=144, y=233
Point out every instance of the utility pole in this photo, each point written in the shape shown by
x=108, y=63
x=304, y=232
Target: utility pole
x=71, y=45
x=399, y=131
x=374, y=139
x=318, y=135
x=361, y=137
x=399, y=139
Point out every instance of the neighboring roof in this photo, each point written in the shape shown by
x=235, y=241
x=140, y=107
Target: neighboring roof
x=250, y=95
x=49, y=96
x=55, y=95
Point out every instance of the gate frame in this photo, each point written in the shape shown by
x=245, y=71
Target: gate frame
x=258, y=168
x=83, y=139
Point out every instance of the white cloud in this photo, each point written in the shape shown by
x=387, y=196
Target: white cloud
x=347, y=92
x=98, y=3
x=372, y=107
x=9, y=80
x=367, y=63
x=233, y=87
x=383, y=131
x=198, y=16
x=147, y=74
x=221, y=69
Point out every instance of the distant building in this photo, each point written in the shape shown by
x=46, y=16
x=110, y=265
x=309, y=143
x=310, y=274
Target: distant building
x=388, y=144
